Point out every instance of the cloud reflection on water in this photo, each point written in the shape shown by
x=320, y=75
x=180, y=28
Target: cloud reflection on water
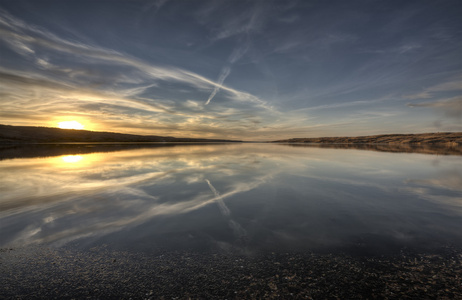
x=277, y=196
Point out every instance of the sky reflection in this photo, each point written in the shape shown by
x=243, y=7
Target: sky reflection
x=233, y=196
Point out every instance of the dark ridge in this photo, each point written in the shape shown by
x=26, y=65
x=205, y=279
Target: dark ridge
x=33, y=135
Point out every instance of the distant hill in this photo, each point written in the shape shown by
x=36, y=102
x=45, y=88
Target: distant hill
x=448, y=138
x=29, y=134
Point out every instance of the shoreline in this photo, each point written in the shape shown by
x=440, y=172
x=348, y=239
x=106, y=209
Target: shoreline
x=11, y=151
x=48, y=273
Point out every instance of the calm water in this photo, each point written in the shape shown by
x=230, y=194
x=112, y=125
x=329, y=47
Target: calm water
x=244, y=197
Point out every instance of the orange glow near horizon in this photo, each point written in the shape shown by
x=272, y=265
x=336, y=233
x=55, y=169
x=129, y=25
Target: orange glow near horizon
x=70, y=125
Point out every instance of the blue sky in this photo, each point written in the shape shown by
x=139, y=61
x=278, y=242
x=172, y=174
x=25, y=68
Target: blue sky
x=253, y=70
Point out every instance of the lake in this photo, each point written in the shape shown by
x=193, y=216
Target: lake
x=245, y=198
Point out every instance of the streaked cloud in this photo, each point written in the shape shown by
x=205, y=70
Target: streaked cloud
x=245, y=70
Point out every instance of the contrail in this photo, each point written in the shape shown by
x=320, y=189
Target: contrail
x=238, y=52
x=238, y=231
x=158, y=4
x=236, y=55
x=224, y=73
x=221, y=204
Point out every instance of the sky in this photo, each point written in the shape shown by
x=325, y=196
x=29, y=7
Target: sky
x=235, y=69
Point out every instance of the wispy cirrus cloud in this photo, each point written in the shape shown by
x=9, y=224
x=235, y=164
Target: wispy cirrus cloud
x=22, y=36
x=236, y=69
x=451, y=107
x=452, y=85
x=109, y=79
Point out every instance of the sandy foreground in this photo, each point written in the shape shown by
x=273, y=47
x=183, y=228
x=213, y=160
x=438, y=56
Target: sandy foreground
x=47, y=273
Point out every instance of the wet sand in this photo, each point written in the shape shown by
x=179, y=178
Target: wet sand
x=47, y=273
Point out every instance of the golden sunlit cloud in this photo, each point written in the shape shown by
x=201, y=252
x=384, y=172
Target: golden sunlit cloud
x=70, y=125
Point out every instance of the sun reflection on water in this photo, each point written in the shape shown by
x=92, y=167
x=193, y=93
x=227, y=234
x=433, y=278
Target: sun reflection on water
x=72, y=159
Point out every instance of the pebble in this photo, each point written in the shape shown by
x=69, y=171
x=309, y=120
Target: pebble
x=47, y=273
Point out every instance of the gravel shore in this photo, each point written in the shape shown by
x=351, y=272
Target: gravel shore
x=47, y=273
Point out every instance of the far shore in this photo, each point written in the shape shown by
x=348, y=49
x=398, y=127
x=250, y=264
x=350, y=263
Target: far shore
x=440, y=138
x=46, y=135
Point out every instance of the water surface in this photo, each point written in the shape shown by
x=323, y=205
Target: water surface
x=244, y=197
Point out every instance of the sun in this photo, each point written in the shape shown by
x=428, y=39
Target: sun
x=70, y=125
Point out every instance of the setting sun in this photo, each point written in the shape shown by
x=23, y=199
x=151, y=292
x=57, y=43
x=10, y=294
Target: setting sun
x=70, y=125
